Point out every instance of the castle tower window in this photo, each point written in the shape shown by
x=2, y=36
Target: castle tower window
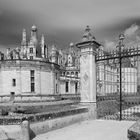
x=31, y=57
x=56, y=88
x=76, y=87
x=67, y=86
x=56, y=76
x=76, y=74
x=32, y=87
x=31, y=50
x=13, y=82
x=12, y=96
x=32, y=73
x=32, y=78
x=67, y=73
x=72, y=74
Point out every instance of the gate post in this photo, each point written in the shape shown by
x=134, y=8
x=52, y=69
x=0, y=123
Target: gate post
x=88, y=47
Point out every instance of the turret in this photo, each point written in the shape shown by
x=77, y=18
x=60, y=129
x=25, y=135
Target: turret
x=46, y=51
x=33, y=49
x=24, y=41
x=8, y=53
x=71, y=55
x=42, y=45
x=54, y=54
x=71, y=47
x=60, y=57
x=33, y=39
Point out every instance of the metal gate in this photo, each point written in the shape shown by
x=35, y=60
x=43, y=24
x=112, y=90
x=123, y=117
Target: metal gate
x=118, y=82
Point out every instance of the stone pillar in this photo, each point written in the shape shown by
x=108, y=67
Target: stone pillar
x=88, y=70
x=25, y=129
x=138, y=78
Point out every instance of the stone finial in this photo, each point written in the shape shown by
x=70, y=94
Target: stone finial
x=34, y=28
x=87, y=36
x=54, y=48
x=121, y=37
x=71, y=44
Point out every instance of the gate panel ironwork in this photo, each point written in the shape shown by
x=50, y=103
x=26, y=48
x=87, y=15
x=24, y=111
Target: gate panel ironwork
x=118, y=82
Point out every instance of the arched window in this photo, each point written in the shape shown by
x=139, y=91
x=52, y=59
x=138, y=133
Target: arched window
x=76, y=74
x=68, y=74
x=72, y=73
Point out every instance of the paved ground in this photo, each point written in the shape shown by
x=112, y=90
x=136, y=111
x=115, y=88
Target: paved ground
x=90, y=130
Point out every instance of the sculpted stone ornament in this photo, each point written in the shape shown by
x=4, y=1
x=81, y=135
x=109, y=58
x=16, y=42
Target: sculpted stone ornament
x=85, y=78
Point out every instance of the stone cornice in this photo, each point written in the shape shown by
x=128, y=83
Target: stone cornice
x=17, y=63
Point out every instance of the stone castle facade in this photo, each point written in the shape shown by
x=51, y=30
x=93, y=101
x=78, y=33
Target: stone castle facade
x=35, y=68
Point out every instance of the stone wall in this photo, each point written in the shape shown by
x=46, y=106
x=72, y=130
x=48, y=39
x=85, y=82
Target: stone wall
x=44, y=77
x=27, y=98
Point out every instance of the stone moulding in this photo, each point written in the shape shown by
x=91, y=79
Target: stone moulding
x=28, y=63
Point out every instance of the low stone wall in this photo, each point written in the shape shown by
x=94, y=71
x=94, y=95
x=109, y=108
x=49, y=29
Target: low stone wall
x=134, y=131
x=45, y=126
x=48, y=125
x=38, y=98
x=39, y=117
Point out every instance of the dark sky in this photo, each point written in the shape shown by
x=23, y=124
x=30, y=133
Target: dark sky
x=63, y=21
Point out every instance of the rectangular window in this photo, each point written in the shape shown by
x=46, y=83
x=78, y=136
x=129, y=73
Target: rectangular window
x=13, y=82
x=31, y=50
x=76, y=87
x=56, y=89
x=32, y=72
x=56, y=76
x=31, y=57
x=12, y=96
x=32, y=78
x=32, y=87
x=67, y=86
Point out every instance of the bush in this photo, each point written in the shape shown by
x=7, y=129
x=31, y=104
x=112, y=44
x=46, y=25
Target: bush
x=4, y=112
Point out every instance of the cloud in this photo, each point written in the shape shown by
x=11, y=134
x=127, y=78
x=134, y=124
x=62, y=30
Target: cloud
x=109, y=45
x=63, y=21
x=132, y=35
x=132, y=30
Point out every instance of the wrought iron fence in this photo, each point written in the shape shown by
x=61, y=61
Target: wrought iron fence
x=118, y=82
